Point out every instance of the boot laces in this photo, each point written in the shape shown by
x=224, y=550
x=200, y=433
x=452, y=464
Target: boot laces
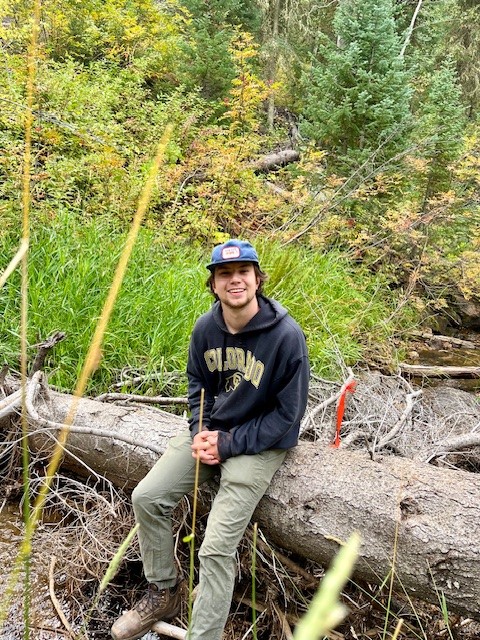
x=152, y=599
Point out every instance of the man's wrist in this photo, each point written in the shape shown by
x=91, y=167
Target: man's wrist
x=224, y=445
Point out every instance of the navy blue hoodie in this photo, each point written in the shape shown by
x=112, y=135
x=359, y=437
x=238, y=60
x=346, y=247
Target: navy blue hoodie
x=255, y=381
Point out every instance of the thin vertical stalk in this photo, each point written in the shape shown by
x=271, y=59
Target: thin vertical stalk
x=392, y=579
x=273, y=63
x=325, y=611
x=191, y=537
x=254, y=583
x=15, y=261
x=30, y=90
x=94, y=354
x=107, y=578
x=398, y=628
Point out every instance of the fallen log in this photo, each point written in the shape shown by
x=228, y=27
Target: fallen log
x=417, y=520
x=434, y=371
x=274, y=161
x=265, y=164
x=448, y=341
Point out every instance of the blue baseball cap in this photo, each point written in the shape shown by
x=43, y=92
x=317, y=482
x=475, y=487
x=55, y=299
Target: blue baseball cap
x=232, y=251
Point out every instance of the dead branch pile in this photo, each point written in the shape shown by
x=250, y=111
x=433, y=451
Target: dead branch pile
x=387, y=415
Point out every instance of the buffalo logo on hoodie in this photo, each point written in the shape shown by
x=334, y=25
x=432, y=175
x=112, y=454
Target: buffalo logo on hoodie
x=233, y=381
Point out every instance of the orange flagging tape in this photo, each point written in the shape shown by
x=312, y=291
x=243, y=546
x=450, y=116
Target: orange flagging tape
x=347, y=387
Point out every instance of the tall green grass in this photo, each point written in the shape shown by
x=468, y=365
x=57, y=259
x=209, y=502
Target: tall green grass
x=340, y=306
x=71, y=264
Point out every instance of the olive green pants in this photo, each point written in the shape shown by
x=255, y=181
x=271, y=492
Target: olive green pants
x=243, y=481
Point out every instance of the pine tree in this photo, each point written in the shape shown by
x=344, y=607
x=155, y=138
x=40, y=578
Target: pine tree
x=357, y=91
x=446, y=28
x=214, y=26
x=442, y=122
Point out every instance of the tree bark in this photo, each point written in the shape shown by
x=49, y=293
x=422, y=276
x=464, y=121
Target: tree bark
x=422, y=520
x=410, y=28
x=273, y=61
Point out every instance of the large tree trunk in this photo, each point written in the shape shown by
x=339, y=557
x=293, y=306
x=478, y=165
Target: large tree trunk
x=421, y=520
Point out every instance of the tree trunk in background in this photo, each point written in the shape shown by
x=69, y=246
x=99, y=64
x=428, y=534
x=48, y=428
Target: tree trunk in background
x=422, y=519
x=410, y=28
x=273, y=61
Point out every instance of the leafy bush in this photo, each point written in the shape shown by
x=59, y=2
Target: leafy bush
x=96, y=129
x=144, y=33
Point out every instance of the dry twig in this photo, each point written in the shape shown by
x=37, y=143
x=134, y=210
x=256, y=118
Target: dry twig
x=54, y=599
x=130, y=397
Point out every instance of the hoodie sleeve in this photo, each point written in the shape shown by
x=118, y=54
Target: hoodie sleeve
x=280, y=423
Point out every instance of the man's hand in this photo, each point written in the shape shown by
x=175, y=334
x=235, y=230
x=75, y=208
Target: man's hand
x=204, y=447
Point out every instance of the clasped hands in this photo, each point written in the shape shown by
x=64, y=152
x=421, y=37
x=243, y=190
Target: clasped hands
x=204, y=447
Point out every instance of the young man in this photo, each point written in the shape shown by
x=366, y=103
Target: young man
x=250, y=358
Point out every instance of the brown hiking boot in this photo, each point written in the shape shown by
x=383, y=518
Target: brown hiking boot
x=157, y=604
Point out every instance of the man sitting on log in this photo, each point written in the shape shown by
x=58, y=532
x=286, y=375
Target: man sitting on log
x=248, y=361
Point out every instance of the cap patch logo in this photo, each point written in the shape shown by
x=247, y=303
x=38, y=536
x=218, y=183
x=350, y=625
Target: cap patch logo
x=228, y=253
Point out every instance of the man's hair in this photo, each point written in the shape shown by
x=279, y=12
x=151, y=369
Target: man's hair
x=261, y=275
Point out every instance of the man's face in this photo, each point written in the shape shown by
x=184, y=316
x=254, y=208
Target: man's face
x=235, y=284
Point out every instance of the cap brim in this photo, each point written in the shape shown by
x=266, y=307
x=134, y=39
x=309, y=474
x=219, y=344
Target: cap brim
x=212, y=265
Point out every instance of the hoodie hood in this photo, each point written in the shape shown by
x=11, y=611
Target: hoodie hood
x=269, y=314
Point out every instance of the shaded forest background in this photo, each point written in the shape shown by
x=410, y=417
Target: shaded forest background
x=376, y=222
